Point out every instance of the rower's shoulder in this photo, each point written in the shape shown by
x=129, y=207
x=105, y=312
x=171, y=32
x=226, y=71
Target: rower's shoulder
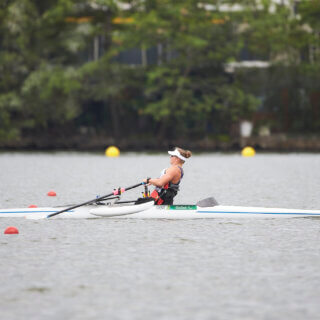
x=174, y=169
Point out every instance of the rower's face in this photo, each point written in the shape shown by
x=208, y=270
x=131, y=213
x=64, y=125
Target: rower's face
x=173, y=160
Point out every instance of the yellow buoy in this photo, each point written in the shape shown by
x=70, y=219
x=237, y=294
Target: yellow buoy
x=112, y=151
x=248, y=152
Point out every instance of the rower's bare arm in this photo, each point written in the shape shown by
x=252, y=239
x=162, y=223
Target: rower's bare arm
x=167, y=177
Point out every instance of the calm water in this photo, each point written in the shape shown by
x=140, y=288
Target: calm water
x=161, y=269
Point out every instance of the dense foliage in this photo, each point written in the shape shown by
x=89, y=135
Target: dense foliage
x=68, y=66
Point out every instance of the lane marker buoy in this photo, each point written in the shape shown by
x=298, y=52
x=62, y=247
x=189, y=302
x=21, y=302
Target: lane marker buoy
x=51, y=194
x=248, y=152
x=112, y=151
x=11, y=230
x=33, y=206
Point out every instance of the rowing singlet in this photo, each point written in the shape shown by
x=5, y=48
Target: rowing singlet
x=166, y=194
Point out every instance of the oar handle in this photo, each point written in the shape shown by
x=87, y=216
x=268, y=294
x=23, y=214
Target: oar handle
x=93, y=200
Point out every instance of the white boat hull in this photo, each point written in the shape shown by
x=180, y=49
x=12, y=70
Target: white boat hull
x=115, y=211
x=160, y=212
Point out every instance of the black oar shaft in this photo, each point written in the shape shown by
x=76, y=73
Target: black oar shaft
x=91, y=201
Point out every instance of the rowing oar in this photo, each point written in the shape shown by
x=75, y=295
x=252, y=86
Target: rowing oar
x=115, y=192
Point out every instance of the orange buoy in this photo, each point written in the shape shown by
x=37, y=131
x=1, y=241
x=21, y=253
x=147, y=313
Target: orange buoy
x=33, y=206
x=51, y=194
x=11, y=230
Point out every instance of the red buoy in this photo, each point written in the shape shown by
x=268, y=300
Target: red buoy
x=33, y=206
x=11, y=230
x=51, y=194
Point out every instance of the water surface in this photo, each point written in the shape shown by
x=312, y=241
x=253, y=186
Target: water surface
x=161, y=269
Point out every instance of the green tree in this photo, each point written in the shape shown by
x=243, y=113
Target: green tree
x=36, y=59
x=53, y=75
x=189, y=80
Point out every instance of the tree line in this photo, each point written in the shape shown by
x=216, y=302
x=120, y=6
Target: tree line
x=157, y=70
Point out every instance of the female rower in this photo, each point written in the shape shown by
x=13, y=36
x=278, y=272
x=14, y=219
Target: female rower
x=167, y=186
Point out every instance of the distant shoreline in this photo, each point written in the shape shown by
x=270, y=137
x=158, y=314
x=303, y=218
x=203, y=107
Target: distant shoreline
x=272, y=143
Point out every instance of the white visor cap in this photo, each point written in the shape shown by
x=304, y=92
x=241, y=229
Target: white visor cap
x=176, y=153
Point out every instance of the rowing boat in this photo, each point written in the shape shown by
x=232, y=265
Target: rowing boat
x=204, y=209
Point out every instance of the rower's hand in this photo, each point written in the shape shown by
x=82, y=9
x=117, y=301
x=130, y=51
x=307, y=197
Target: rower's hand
x=146, y=181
